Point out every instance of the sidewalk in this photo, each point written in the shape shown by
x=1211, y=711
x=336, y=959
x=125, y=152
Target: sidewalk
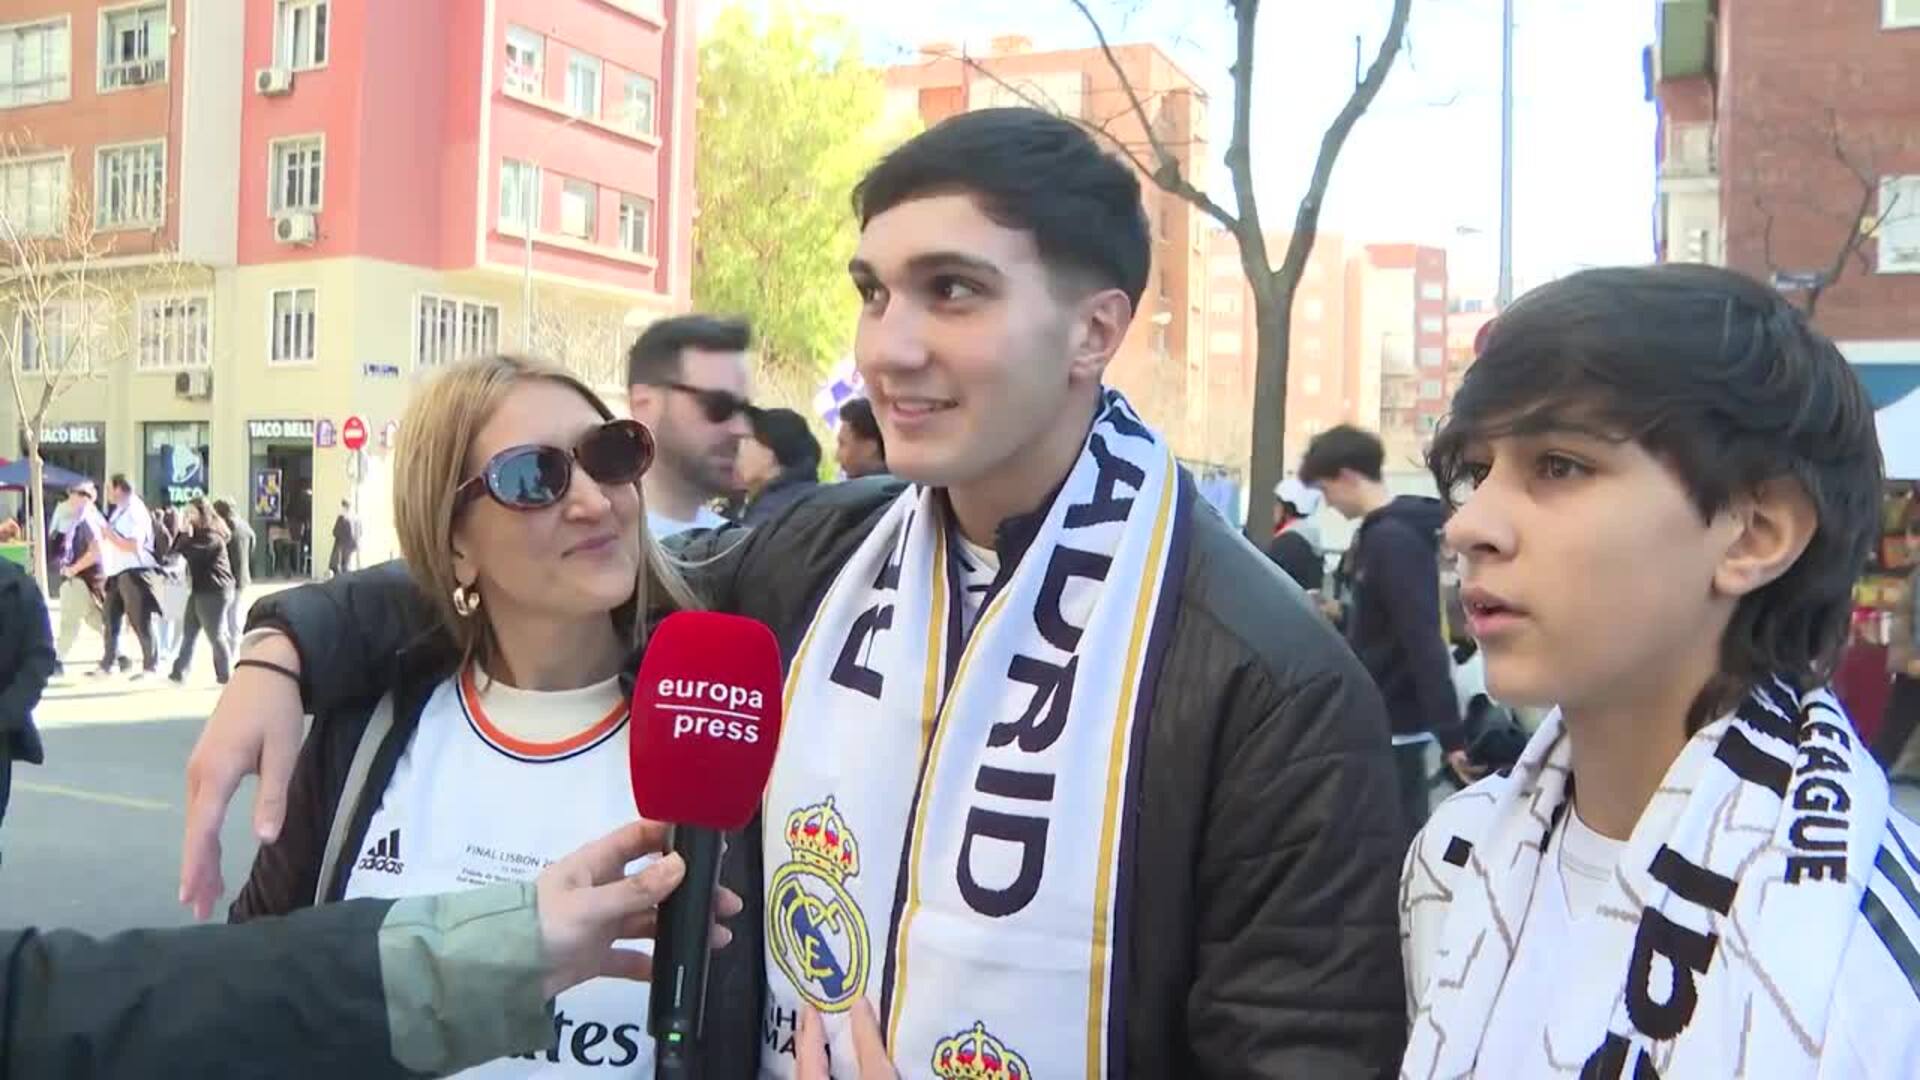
x=77, y=698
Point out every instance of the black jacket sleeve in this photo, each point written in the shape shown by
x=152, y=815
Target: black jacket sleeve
x=298, y=997
x=348, y=631
x=286, y=873
x=1297, y=965
x=1401, y=567
x=32, y=647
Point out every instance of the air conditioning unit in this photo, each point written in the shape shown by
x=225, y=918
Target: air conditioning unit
x=294, y=228
x=193, y=385
x=272, y=81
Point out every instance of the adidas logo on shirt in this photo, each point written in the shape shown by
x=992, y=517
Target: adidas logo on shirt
x=384, y=855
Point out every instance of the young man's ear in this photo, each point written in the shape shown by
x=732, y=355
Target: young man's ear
x=1774, y=526
x=1102, y=326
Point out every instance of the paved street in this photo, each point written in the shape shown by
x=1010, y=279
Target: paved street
x=92, y=838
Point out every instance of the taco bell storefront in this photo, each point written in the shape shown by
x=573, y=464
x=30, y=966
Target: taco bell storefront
x=174, y=456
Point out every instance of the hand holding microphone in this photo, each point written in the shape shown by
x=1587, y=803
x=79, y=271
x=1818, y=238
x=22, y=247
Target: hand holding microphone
x=706, y=722
x=585, y=903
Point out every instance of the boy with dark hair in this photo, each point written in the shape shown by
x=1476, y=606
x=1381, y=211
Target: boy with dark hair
x=1070, y=775
x=1666, y=482
x=687, y=381
x=1392, y=571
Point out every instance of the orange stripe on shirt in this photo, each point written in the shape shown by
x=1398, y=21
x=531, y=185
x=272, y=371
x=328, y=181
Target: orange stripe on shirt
x=470, y=694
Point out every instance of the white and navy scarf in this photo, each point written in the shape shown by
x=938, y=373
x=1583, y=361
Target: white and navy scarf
x=948, y=830
x=1717, y=947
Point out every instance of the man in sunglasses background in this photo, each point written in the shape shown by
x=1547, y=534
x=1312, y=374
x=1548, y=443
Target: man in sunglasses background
x=687, y=381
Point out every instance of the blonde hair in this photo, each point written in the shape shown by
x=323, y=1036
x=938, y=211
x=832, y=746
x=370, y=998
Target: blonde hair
x=435, y=436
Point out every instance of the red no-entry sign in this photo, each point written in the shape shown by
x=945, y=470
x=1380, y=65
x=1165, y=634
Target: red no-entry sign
x=353, y=433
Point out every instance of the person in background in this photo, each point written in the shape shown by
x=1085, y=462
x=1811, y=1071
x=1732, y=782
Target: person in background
x=10, y=531
x=778, y=466
x=59, y=536
x=127, y=557
x=1665, y=484
x=203, y=543
x=859, y=447
x=81, y=564
x=27, y=661
x=1393, y=619
x=687, y=382
x=346, y=540
x=240, y=559
x=172, y=589
x=1296, y=540
x=370, y=989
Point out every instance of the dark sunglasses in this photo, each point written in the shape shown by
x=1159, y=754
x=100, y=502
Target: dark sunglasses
x=534, y=477
x=719, y=406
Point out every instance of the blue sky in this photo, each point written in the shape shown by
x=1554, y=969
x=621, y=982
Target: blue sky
x=1424, y=163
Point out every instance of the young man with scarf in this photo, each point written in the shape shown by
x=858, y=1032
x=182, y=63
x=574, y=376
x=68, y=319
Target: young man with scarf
x=1666, y=482
x=1070, y=776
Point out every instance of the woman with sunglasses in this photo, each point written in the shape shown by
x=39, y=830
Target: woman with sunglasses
x=504, y=743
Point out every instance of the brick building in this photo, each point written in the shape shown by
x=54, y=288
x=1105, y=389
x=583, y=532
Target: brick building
x=1790, y=149
x=341, y=191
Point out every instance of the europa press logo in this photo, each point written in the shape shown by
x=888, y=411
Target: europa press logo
x=713, y=710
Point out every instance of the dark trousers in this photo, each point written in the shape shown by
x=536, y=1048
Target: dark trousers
x=130, y=596
x=205, y=611
x=1416, y=792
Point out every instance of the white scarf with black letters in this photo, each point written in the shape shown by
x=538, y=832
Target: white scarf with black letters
x=948, y=825
x=1717, y=947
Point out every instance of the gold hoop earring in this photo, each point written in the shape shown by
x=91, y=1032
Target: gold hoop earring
x=466, y=600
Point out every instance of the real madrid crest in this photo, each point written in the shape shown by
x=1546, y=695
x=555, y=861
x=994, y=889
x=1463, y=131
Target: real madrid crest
x=818, y=934
x=977, y=1055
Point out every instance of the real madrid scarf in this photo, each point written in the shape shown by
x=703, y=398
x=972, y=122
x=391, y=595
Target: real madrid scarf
x=1717, y=947
x=948, y=827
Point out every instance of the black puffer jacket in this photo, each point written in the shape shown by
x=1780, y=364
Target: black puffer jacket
x=1264, y=940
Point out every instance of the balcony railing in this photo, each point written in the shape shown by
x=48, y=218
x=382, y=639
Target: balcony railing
x=134, y=73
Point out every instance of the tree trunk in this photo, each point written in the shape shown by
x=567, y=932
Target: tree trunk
x=36, y=507
x=1272, y=326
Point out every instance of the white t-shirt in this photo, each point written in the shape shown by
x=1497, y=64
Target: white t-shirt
x=133, y=522
x=1565, y=901
x=495, y=784
x=662, y=526
x=978, y=567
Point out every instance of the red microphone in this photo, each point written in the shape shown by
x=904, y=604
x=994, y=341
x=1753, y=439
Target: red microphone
x=705, y=724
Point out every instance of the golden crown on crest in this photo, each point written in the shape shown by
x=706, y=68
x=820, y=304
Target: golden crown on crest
x=818, y=835
x=977, y=1055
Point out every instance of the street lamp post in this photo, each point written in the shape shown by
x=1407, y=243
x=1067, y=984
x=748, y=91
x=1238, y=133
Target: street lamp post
x=529, y=218
x=1505, y=295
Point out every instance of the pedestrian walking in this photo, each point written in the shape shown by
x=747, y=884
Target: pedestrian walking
x=26, y=663
x=127, y=557
x=202, y=543
x=346, y=540
x=240, y=559
x=84, y=603
x=172, y=588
